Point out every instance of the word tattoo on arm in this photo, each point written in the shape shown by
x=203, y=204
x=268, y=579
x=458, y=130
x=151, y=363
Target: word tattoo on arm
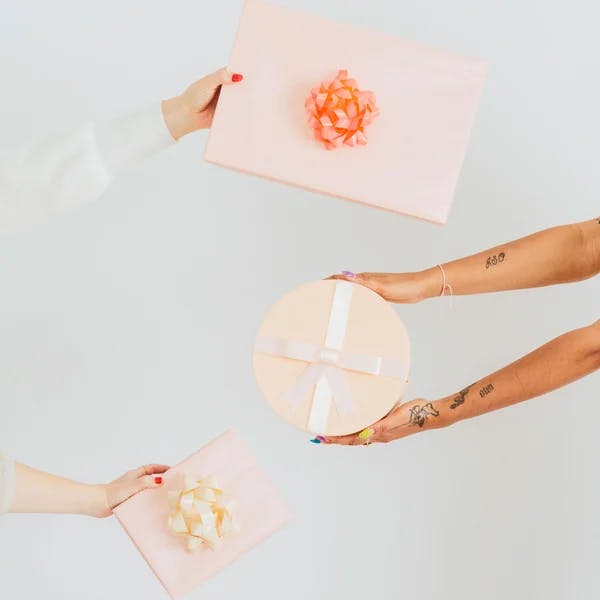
x=486, y=389
x=460, y=399
x=420, y=414
x=492, y=261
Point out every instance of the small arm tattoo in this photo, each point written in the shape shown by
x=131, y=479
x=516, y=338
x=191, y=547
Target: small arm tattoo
x=495, y=259
x=486, y=389
x=420, y=414
x=460, y=398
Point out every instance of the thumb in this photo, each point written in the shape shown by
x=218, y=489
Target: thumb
x=221, y=77
x=146, y=482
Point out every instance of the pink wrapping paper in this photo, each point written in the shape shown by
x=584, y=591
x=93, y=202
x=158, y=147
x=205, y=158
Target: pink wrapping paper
x=259, y=510
x=373, y=329
x=427, y=100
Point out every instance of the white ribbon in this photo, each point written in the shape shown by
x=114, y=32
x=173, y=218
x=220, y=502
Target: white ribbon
x=327, y=363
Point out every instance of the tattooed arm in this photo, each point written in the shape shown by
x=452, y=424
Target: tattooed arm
x=557, y=363
x=557, y=255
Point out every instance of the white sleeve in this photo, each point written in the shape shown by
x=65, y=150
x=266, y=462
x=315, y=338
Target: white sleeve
x=71, y=170
x=7, y=482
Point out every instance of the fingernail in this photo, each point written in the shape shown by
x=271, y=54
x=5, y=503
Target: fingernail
x=237, y=77
x=315, y=441
x=349, y=274
x=365, y=434
x=158, y=480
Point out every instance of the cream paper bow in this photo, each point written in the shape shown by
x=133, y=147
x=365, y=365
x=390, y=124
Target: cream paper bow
x=201, y=513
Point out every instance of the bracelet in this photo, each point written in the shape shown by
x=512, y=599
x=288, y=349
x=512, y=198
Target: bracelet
x=445, y=284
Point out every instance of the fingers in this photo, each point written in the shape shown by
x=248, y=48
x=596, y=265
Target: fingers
x=151, y=469
x=345, y=277
x=133, y=482
x=370, y=435
x=222, y=77
x=350, y=276
x=365, y=279
x=147, y=482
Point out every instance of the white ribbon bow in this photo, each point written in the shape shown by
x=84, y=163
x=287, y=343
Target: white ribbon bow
x=327, y=363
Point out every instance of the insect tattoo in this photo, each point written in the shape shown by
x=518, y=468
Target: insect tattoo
x=486, y=389
x=460, y=399
x=494, y=260
x=420, y=414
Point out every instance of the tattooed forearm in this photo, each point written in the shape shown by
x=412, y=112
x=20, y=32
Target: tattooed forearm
x=420, y=414
x=486, y=389
x=494, y=260
x=460, y=399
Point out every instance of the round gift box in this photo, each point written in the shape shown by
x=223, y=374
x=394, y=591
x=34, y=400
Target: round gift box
x=346, y=330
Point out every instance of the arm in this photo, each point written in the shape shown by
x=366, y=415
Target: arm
x=557, y=255
x=74, y=169
x=39, y=492
x=557, y=363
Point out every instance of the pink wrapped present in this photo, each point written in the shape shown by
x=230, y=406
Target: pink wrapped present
x=332, y=357
x=212, y=508
x=396, y=116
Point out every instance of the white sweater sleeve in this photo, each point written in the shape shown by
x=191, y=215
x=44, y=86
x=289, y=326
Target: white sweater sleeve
x=71, y=170
x=7, y=475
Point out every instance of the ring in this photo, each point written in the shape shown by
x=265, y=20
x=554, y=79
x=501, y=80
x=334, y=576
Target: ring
x=365, y=435
x=349, y=274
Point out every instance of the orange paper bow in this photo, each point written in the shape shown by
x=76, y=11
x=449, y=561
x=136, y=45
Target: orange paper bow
x=340, y=112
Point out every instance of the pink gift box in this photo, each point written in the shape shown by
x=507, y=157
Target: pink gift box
x=427, y=100
x=258, y=509
x=332, y=357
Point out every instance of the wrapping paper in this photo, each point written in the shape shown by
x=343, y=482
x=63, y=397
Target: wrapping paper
x=427, y=101
x=259, y=512
x=332, y=357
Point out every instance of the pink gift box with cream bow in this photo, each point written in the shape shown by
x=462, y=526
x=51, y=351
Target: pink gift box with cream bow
x=224, y=465
x=396, y=120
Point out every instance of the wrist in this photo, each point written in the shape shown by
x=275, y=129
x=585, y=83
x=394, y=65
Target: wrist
x=430, y=282
x=448, y=416
x=96, y=502
x=180, y=120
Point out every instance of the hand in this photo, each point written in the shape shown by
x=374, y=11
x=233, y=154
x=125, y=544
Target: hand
x=404, y=420
x=402, y=288
x=134, y=481
x=195, y=107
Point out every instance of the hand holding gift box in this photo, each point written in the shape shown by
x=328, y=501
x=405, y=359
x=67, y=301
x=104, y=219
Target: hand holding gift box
x=332, y=357
x=418, y=128
x=212, y=508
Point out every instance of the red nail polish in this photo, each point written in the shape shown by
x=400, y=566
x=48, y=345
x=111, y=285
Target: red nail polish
x=158, y=480
x=236, y=77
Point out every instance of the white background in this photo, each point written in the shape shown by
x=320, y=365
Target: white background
x=126, y=327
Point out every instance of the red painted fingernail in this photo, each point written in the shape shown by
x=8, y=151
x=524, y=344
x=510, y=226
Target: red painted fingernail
x=158, y=480
x=237, y=77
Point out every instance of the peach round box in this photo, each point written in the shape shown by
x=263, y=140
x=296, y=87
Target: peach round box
x=332, y=357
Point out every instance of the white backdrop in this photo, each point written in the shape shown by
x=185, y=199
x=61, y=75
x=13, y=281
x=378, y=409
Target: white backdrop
x=126, y=328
